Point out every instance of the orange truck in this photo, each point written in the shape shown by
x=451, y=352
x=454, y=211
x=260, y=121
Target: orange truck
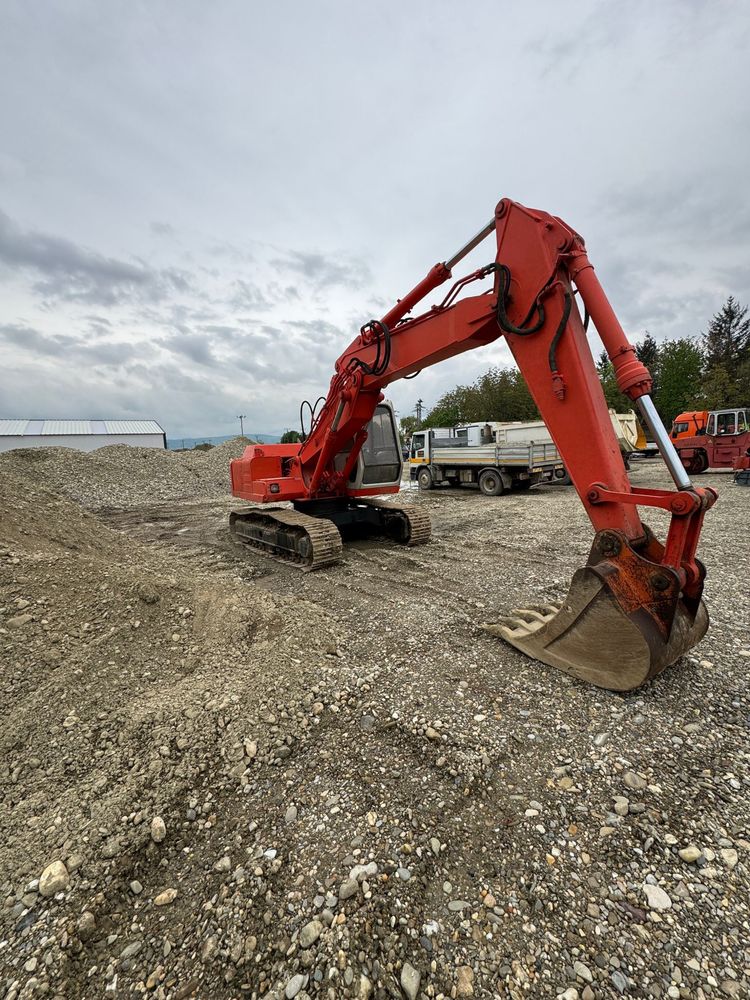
x=689, y=424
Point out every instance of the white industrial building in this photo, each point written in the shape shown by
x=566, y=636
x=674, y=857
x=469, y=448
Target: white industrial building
x=84, y=435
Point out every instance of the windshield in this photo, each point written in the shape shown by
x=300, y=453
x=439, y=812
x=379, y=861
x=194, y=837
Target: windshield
x=726, y=423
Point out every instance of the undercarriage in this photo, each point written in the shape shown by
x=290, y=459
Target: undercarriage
x=310, y=535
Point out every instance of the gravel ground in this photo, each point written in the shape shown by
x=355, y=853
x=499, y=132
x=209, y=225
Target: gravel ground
x=121, y=476
x=225, y=778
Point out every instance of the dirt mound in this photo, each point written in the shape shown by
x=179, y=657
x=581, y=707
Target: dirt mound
x=128, y=677
x=124, y=476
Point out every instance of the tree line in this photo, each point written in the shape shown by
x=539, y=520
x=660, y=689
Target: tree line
x=707, y=372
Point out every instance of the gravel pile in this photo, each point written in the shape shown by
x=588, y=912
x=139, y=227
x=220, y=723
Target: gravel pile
x=123, y=476
x=225, y=778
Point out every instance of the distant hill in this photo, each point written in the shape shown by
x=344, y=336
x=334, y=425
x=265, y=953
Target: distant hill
x=175, y=444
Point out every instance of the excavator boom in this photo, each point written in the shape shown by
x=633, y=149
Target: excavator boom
x=636, y=605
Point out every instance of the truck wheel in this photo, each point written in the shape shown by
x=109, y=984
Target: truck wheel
x=424, y=479
x=700, y=463
x=490, y=483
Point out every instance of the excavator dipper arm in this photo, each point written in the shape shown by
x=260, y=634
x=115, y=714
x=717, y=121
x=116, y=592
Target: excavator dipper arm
x=636, y=605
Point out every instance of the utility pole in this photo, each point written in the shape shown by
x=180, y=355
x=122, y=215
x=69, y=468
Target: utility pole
x=241, y=417
x=418, y=410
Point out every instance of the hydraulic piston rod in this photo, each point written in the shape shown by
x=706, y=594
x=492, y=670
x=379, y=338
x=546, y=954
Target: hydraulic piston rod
x=663, y=441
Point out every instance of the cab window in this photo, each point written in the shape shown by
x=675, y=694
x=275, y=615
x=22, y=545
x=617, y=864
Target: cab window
x=741, y=422
x=381, y=455
x=417, y=446
x=711, y=426
x=726, y=423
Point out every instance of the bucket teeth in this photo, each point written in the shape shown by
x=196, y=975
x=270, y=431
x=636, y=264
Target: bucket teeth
x=541, y=614
x=592, y=638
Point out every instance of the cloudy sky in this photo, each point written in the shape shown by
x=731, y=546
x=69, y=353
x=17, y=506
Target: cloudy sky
x=200, y=203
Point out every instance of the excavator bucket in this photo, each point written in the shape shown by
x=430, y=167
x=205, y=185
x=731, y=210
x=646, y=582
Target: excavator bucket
x=609, y=631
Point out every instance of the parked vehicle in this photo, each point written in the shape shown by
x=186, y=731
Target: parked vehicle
x=630, y=436
x=722, y=445
x=480, y=455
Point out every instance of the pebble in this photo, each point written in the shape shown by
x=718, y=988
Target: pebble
x=158, y=829
x=657, y=897
x=165, y=898
x=583, y=972
x=290, y=815
x=19, y=621
x=464, y=981
x=86, y=926
x=691, y=853
x=54, y=879
x=458, y=904
x=310, y=933
x=410, y=980
x=729, y=856
x=348, y=888
x=294, y=985
x=634, y=781
x=619, y=981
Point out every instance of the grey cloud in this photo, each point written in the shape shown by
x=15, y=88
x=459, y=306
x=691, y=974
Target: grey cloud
x=32, y=340
x=686, y=208
x=194, y=346
x=324, y=271
x=320, y=330
x=247, y=295
x=162, y=229
x=70, y=273
x=40, y=345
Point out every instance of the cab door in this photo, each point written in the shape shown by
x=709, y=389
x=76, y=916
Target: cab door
x=420, y=448
x=731, y=428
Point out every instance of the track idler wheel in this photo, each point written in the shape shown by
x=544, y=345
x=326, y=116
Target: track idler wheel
x=623, y=621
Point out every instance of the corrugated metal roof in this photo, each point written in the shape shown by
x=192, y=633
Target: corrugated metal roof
x=26, y=428
x=8, y=427
x=66, y=427
x=132, y=427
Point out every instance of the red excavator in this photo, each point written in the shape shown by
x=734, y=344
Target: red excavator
x=636, y=606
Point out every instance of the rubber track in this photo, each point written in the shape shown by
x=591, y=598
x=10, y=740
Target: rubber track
x=420, y=527
x=324, y=537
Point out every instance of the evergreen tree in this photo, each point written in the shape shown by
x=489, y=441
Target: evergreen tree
x=726, y=342
x=290, y=437
x=647, y=352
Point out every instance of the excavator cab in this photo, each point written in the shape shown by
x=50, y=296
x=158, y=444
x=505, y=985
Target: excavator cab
x=380, y=461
